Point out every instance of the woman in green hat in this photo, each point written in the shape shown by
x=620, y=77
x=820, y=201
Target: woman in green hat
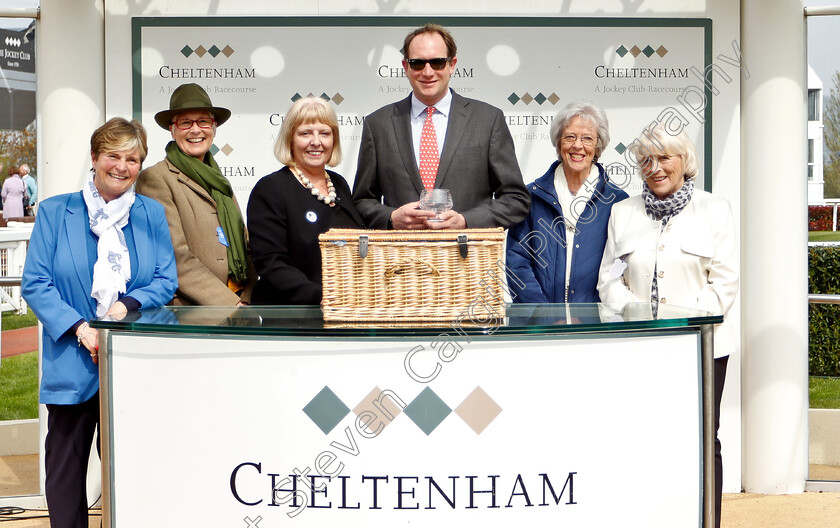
x=208, y=232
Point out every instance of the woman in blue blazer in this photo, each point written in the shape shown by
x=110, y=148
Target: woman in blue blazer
x=103, y=251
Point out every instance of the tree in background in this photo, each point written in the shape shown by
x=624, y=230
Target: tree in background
x=17, y=147
x=831, y=139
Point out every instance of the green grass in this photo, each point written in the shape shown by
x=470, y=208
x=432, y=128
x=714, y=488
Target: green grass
x=823, y=236
x=824, y=393
x=12, y=321
x=19, y=387
x=19, y=375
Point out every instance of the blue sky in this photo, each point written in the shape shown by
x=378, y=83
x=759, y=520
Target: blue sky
x=823, y=43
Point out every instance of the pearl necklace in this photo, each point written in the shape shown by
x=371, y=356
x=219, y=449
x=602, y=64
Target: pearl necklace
x=329, y=199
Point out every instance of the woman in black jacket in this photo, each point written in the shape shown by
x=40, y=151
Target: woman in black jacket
x=289, y=208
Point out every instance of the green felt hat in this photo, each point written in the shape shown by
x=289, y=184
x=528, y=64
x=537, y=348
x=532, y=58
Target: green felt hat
x=190, y=97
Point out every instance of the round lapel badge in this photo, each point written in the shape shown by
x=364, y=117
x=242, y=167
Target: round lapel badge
x=311, y=216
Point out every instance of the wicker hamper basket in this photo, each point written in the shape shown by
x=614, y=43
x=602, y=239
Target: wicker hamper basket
x=398, y=276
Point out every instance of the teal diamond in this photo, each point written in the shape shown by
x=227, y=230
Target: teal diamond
x=186, y=51
x=622, y=51
x=648, y=51
x=214, y=51
x=296, y=97
x=427, y=410
x=326, y=410
x=325, y=97
x=620, y=148
x=513, y=98
x=214, y=149
x=540, y=98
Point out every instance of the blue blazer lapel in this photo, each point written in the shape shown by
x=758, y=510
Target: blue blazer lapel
x=459, y=115
x=139, y=225
x=402, y=131
x=76, y=227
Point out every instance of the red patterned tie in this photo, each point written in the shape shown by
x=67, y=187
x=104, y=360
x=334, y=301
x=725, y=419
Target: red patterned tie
x=429, y=158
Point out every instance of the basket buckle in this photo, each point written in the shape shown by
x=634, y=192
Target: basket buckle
x=363, y=245
x=462, y=245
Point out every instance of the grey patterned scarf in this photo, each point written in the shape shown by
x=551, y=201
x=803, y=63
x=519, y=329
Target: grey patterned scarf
x=670, y=207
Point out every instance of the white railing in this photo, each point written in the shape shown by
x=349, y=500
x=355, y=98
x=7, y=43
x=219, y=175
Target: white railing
x=829, y=202
x=13, y=243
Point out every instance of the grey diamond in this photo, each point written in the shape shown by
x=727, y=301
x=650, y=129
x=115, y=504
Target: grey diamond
x=326, y=410
x=427, y=410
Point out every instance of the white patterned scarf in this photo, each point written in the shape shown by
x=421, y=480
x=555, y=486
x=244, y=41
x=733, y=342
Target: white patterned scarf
x=112, y=269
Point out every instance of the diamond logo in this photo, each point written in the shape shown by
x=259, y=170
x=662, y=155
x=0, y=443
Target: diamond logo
x=620, y=148
x=227, y=51
x=427, y=410
x=227, y=149
x=186, y=51
x=513, y=98
x=478, y=410
x=337, y=98
x=661, y=51
x=621, y=51
x=201, y=51
x=379, y=408
x=648, y=51
x=635, y=51
x=540, y=99
x=553, y=98
x=326, y=410
x=527, y=99
x=214, y=51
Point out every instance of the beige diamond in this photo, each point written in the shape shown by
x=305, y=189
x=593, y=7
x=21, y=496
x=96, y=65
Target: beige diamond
x=553, y=98
x=478, y=410
x=527, y=98
x=201, y=51
x=228, y=51
x=380, y=408
x=635, y=51
x=337, y=98
x=661, y=51
x=227, y=149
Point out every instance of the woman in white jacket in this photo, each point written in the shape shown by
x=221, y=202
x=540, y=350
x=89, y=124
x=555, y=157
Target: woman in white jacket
x=674, y=244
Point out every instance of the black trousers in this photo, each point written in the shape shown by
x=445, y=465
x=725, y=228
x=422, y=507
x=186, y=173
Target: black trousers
x=67, y=449
x=720, y=378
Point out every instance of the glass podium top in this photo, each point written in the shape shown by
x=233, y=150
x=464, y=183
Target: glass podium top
x=519, y=319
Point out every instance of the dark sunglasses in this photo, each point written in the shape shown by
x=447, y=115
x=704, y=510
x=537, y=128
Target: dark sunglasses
x=419, y=64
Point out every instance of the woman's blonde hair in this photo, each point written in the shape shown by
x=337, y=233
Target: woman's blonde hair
x=658, y=141
x=304, y=111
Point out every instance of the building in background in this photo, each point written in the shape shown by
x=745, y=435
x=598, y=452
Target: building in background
x=816, y=182
x=17, y=78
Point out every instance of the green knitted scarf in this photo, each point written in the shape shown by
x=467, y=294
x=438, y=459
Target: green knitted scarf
x=210, y=178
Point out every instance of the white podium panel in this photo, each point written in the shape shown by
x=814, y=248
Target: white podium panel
x=583, y=430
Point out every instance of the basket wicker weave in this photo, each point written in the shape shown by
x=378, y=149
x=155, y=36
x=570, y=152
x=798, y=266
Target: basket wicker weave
x=411, y=275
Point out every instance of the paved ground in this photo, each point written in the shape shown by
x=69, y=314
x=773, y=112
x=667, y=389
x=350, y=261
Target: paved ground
x=19, y=341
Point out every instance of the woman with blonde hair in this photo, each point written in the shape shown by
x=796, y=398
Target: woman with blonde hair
x=675, y=244
x=289, y=208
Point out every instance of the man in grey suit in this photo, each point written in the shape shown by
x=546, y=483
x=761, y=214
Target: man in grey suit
x=476, y=160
